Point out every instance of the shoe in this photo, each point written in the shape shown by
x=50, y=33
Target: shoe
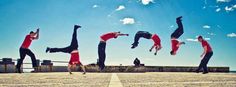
x=179, y=18
x=84, y=73
x=204, y=72
x=70, y=73
x=197, y=71
x=77, y=26
x=134, y=46
x=48, y=49
x=18, y=70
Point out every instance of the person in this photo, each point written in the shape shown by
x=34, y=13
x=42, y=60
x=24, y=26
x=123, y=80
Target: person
x=175, y=35
x=24, y=50
x=136, y=62
x=147, y=35
x=206, y=55
x=72, y=49
x=102, y=47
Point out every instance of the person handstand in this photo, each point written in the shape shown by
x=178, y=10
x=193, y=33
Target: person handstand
x=147, y=35
x=175, y=35
x=72, y=50
x=102, y=47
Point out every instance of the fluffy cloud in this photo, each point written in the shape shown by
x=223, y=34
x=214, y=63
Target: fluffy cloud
x=212, y=34
x=126, y=21
x=95, y=6
x=223, y=1
x=206, y=26
x=121, y=7
x=146, y=2
x=231, y=35
x=218, y=9
x=227, y=9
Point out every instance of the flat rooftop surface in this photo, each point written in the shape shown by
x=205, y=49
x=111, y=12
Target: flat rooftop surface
x=153, y=79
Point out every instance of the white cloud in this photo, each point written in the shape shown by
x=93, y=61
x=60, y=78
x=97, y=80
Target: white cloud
x=234, y=6
x=223, y=1
x=231, y=35
x=121, y=7
x=128, y=21
x=218, y=9
x=212, y=34
x=206, y=26
x=146, y=2
x=95, y=6
x=227, y=9
x=192, y=40
x=196, y=40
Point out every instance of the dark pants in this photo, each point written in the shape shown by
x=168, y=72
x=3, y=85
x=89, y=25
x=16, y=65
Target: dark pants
x=141, y=34
x=205, y=61
x=23, y=53
x=69, y=49
x=179, y=31
x=101, y=54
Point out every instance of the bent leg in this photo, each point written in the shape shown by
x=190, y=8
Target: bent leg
x=179, y=31
x=22, y=57
x=33, y=58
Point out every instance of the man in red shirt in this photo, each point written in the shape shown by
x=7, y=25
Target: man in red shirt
x=102, y=47
x=147, y=35
x=175, y=35
x=72, y=50
x=24, y=50
x=206, y=55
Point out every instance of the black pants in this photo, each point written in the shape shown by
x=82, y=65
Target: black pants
x=204, y=62
x=69, y=49
x=101, y=54
x=141, y=34
x=179, y=31
x=23, y=53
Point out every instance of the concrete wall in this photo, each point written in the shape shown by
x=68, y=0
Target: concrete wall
x=141, y=69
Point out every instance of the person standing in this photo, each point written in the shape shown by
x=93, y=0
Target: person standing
x=102, y=47
x=24, y=50
x=206, y=55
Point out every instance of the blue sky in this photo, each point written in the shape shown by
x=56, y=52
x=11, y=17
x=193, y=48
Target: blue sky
x=214, y=19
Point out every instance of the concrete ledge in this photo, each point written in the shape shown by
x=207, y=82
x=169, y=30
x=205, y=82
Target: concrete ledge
x=90, y=68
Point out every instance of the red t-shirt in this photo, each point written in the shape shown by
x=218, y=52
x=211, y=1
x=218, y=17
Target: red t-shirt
x=174, y=45
x=204, y=43
x=27, y=42
x=74, y=59
x=157, y=40
x=108, y=36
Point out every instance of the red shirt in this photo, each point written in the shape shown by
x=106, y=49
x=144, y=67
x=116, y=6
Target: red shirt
x=27, y=42
x=74, y=59
x=108, y=36
x=157, y=40
x=204, y=43
x=174, y=45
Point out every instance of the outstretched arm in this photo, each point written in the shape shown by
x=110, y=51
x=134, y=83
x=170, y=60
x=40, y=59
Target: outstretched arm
x=152, y=48
x=123, y=34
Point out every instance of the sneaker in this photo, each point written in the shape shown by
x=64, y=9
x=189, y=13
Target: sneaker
x=77, y=26
x=48, y=49
x=134, y=45
x=179, y=18
x=70, y=73
x=155, y=53
x=84, y=73
x=18, y=70
x=204, y=72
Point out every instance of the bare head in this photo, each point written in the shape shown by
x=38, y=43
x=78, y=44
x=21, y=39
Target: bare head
x=200, y=38
x=32, y=33
x=172, y=52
